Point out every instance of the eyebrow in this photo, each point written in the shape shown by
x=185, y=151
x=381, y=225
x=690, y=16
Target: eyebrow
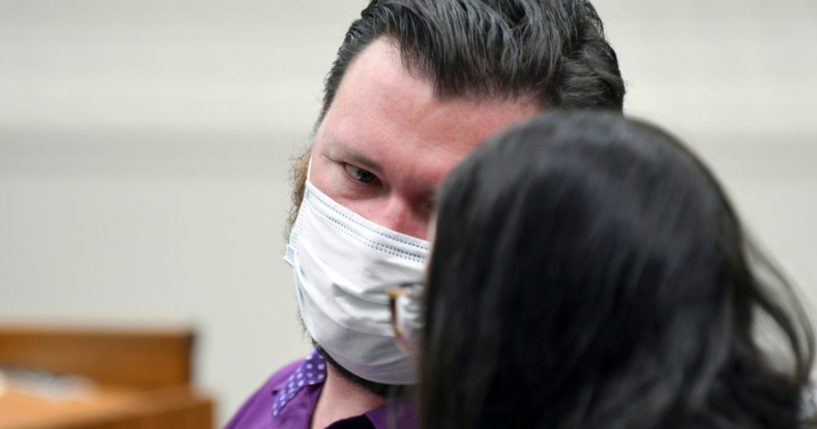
x=355, y=156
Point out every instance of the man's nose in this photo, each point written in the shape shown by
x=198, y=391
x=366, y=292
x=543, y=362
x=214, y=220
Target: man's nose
x=400, y=216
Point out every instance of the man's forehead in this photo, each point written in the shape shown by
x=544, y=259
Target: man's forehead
x=384, y=116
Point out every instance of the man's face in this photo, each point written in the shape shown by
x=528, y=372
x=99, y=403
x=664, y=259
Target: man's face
x=387, y=141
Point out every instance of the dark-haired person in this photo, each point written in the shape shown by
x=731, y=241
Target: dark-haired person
x=588, y=271
x=416, y=85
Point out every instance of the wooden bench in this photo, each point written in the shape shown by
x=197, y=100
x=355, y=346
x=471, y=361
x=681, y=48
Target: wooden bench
x=138, y=378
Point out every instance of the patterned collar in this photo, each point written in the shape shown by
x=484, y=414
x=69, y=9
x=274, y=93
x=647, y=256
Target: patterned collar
x=311, y=371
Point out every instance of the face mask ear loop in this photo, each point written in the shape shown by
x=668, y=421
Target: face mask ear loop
x=309, y=169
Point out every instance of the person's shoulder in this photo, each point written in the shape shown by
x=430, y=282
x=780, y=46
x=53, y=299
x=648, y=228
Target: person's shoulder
x=257, y=409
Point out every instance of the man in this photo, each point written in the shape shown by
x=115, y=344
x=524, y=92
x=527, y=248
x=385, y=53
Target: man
x=416, y=86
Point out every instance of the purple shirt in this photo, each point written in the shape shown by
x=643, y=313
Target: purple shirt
x=288, y=399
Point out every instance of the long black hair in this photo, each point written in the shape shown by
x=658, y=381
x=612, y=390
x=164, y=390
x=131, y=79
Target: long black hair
x=588, y=271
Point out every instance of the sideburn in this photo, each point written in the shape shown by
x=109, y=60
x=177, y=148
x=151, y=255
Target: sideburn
x=297, y=179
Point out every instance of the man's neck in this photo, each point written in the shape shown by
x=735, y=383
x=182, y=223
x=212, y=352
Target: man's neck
x=340, y=399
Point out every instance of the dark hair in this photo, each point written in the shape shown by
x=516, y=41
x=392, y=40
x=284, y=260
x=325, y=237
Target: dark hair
x=551, y=51
x=588, y=271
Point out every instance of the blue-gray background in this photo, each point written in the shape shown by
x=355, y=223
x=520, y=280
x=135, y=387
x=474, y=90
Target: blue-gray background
x=144, y=151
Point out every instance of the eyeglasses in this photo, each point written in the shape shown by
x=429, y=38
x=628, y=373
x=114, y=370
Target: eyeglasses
x=406, y=305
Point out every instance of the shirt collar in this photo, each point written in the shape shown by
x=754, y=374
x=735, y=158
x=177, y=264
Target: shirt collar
x=396, y=414
x=312, y=371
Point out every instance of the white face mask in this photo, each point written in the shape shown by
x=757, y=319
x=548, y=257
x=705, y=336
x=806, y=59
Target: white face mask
x=343, y=263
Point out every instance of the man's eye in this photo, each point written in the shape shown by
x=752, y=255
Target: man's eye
x=359, y=174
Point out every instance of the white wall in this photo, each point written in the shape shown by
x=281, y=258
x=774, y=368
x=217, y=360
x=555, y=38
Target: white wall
x=738, y=81
x=144, y=148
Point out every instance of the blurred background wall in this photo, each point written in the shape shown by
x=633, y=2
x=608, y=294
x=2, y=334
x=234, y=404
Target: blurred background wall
x=144, y=151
